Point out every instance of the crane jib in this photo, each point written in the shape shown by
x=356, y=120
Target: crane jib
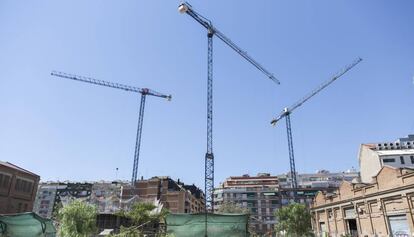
x=318, y=89
x=208, y=25
x=110, y=84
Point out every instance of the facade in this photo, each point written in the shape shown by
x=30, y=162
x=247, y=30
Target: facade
x=110, y=197
x=372, y=157
x=52, y=195
x=309, y=184
x=259, y=194
x=45, y=200
x=383, y=207
x=173, y=195
x=17, y=189
x=320, y=179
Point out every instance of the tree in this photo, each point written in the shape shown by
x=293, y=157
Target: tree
x=141, y=214
x=77, y=219
x=294, y=220
x=231, y=207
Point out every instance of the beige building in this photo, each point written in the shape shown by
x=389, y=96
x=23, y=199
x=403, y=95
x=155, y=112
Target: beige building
x=374, y=156
x=383, y=207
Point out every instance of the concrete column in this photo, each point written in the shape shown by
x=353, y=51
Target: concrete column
x=343, y=220
x=313, y=219
x=408, y=202
x=334, y=217
x=369, y=209
x=317, y=222
x=384, y=214
x=359, y=227
x=327, y=221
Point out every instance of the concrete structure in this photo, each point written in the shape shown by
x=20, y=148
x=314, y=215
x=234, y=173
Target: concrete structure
x=45, y=200
x=383, y=207
x=372, y=157
x=174, y=195
x=52, y=195
x=259, y=194
x=17, y=188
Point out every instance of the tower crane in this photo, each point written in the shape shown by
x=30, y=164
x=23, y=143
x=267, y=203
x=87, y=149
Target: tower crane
x=143, y=91
x=211, y=31
x=287, y=111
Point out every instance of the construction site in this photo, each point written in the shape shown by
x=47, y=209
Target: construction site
x=243, y=186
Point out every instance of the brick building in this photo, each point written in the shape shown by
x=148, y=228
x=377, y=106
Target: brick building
x=17, y=188
x=383, y=207
x=174, y=195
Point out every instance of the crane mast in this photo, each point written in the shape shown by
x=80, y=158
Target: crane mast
x=211, y=31
x=286, y=114
x=143, y=91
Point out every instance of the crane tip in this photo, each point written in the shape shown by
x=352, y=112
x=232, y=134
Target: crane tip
x=183, y=8
x=274, y=79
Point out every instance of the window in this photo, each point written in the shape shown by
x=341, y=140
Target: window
x=6, y=181
x=23, y=186
x=388, y=160
x=402, y=159
x=412, y=159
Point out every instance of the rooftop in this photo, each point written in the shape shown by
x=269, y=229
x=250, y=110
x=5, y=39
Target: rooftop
x=13, y=166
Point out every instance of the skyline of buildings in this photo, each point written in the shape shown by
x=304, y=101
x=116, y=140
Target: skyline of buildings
x=260, y=195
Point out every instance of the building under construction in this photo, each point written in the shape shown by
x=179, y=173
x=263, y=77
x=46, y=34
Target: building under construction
x=173, y=195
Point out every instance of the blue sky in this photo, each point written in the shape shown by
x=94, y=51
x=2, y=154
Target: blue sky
x=67, y=130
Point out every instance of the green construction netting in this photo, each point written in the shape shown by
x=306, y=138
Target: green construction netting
x=26, y=225
x=219, y=225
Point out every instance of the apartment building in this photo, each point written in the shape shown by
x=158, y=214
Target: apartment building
x=373, y=156
x=17, y=188
x=174, y=195
x=259, y=194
